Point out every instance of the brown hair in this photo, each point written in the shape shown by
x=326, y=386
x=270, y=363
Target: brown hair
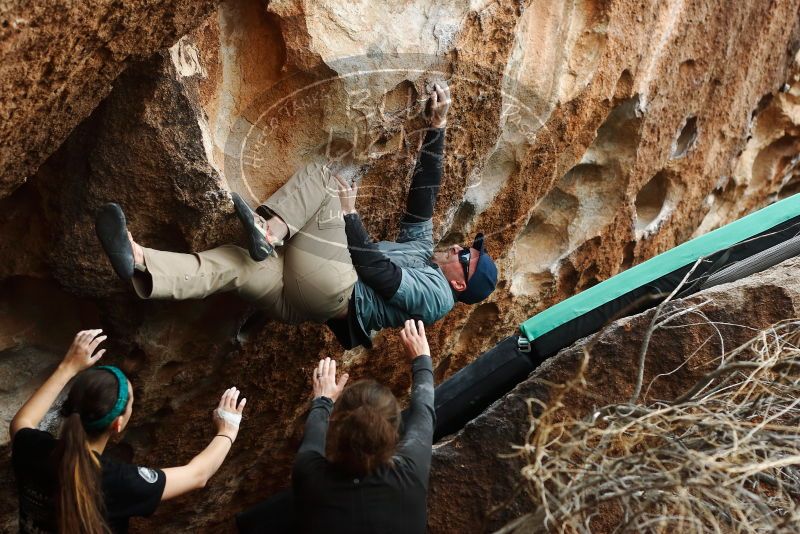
x=80, y=506
x=364, y=428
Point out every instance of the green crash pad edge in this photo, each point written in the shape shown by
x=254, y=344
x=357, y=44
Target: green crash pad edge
x=660, y=265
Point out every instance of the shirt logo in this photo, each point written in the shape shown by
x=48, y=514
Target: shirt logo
x=147, y=474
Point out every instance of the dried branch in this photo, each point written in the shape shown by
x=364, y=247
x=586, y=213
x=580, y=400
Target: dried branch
x=723, y=457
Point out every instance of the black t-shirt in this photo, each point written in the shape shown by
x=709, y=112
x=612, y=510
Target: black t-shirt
x=128, y=490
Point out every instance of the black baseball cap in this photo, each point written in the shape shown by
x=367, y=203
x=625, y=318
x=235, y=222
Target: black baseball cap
x=483, y=281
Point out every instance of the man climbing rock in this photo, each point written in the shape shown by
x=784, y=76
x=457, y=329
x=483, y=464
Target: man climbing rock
x=311, y=259
x=406, y=278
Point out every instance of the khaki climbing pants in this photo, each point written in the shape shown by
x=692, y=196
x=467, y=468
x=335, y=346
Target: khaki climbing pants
x=309, y=279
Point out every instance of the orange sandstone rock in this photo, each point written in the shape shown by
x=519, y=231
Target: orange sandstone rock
x=584, y=137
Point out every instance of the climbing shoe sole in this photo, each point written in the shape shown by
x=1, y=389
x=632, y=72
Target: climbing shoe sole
x=112, y=230
x=257, y=243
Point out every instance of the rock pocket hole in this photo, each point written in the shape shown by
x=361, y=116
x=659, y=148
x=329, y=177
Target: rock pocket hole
x=650, y=201
x=686, y=139
x=401, y=97
x=763, y=103
x=501, y=165
x=624, y=85
x=775, y=162
x=543, y=241
x=687, y=67
x=628, y=255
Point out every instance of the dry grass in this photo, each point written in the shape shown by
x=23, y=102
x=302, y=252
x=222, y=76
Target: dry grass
x=724, y=457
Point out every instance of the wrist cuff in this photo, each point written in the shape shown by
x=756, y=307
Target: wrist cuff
x=422, y=362
x=323, y=401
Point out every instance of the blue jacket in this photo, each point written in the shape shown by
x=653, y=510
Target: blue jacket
x=424, y=292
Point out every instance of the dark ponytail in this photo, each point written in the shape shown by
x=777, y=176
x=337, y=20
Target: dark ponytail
x=80, y=506
x=364, y=428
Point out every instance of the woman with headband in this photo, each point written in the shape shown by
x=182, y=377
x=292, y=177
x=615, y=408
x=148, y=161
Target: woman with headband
x=66, y=484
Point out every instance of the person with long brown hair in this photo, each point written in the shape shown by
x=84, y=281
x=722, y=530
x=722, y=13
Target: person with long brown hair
x=370, y=476
x=67, y=485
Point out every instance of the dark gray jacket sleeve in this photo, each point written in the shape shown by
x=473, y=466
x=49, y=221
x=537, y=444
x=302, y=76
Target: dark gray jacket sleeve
x=426, y=179
x=310, y=457
x=373, y=267
x=316, y=430
x=416, y=444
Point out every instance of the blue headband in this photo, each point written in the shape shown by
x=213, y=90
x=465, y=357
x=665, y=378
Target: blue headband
x=119, y=406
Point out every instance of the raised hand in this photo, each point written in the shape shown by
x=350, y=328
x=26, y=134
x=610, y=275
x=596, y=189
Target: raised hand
x=413, y=337
x=81, y=354
x=324, y=380
x=440, y=104
x=228, y=415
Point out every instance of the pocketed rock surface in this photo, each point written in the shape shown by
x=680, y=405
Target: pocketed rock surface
x=584, y=137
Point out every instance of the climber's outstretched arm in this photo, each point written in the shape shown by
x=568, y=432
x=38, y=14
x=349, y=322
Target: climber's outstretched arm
x=201, y=468
x=374, y=268
x=427, y=175
x=81, y=355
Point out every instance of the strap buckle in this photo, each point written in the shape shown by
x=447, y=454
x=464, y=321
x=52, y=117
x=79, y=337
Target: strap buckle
x=523, y=344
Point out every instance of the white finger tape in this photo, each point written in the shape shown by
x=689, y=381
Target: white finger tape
x=229, y=417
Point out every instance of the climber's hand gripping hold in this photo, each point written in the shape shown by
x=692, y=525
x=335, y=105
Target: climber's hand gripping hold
x=347, y=195
x=440, y=104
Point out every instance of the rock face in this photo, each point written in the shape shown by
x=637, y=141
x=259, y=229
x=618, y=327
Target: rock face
x=584, y=137
x=475, y=490
x=59, y=60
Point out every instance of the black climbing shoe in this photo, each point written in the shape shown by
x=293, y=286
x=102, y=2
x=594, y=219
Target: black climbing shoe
x=113, y=233
x=257, y=241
